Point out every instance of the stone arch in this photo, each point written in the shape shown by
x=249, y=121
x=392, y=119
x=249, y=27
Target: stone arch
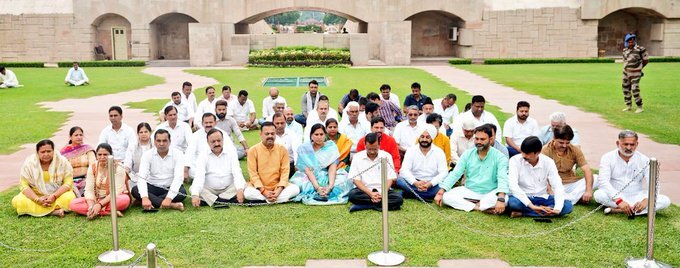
x=430, y=33
x=242, y=26
x=103, y=28
x=170, y=36
x=646, y=23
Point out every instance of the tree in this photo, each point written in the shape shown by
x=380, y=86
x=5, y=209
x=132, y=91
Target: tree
x=286, y=18
x=333, y=19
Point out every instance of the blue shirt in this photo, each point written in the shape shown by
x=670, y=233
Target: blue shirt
x=483, y=175
x=410, y=100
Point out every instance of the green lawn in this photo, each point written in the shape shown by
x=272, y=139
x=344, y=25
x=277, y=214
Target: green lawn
x=597, y=88
x=289, y=234
x=24, y=121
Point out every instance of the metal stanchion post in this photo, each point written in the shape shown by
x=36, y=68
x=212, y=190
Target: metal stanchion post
x=648, y=261
x=151, y=255
x=115, y=255
x=385, y=257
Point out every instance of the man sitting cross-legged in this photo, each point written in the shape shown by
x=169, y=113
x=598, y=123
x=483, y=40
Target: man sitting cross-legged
x=566, y=155
x=486, y=172
x=268, y=166
x=423, y=168
x=368, y=192
x=218, y=174
x=161, y=174
x=76, y=76
x=530, y=174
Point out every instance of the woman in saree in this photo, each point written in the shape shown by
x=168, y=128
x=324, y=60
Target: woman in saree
x=343, y=143
x=320, y=181
x=80, y=155
x=46, y=183
x=97, y=198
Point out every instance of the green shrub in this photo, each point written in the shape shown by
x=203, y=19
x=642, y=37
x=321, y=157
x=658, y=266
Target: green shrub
x=299, y=56
x=23, y=64
x=308, y=28
x=664, y=59
x=108, y=63
x=545, y=60
x=460, y=61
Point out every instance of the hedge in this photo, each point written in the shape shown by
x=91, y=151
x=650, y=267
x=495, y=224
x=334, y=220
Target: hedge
x=460, y=61
x=299, y=56
x=27, y=64
x=664, y=59
x=544, y=60
x=294, y=65
x=107, y=63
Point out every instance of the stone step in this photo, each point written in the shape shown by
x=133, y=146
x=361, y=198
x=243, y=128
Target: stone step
x=223, y=64
x=376, y=63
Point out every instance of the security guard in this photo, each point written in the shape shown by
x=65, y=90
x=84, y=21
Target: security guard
x=634, y=59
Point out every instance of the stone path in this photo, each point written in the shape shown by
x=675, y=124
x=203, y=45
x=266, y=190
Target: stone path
x=91, y=114
x=597, y=135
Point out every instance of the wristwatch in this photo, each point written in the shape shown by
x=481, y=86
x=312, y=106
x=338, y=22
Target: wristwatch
x=501, y=199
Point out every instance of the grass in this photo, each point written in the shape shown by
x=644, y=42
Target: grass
x=289, y=234
x=597, y=88
x=24, y=121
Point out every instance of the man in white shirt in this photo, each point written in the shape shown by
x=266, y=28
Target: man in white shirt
x=407, y=132
x=180, y=131
x=354, y=128
x=206, y=106
x=448, y=109
x=320, y=116
x=291, y=125
x=519, y=127
x=7, y=78
x=227, y=96
x=529, y=176
x=557, y=119
x=198, y=144
x=462, y=139
x=428, y=109
x=188, y=95
x=279, y=106
x=479, y=116
x=184, y=111
x=76, y=76
x=117, y=134
x=218, y=174
x=287, y=139
x=308, y=101
x=424, y=166
x=161, y=175
x=617, y=169
x=314, y=117
x=368, y=192
x=268, y=104
x=243, y=112
x=386, y=94
x=229, y=126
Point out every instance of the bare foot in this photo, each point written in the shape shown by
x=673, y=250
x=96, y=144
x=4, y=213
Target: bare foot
x=59, y=213
x=120, y=214
x=515, y=214
x=178, y=206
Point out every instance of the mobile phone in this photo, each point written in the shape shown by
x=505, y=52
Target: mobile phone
x=153, y=210
x=547, y=220
x=220, y=206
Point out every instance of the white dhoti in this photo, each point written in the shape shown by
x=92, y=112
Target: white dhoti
x=209, y=196
x=456, y=198
x=9, y=84
x=662, y=201
x=76, y=82
x=574, y=191
x=251, y=193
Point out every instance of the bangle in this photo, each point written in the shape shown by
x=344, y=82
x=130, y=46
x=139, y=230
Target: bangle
x=618, y=201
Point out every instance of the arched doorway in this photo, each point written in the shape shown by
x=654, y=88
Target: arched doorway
x=170, y=36
x=434, y=34
x=112, y=32
x=646, y=23
x=353, y=24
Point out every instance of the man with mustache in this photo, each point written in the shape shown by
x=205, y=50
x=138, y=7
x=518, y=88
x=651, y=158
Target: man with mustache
x=486, y=172
x=566, y=155
x=617, y=168
x=269, y=166
x=218, y=174
x=229, y=126
x=423, y=168
x=198, y=145
x=292, y=126
x=530, y=175
x=518, y=127
x=557, y=119
x=479, y=116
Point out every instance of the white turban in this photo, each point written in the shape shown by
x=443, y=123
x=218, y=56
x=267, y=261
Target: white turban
x=431, y=129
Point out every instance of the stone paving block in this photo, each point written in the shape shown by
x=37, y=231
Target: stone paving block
x=356, y=263
x=473, y=263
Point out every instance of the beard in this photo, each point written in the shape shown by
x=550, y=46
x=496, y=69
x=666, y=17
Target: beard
x=221, y=115
x=522, y=117
x=425, y=144
x=626, y=152
x=481, y=146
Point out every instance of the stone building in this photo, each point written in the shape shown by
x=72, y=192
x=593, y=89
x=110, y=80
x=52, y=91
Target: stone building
x=209, y=32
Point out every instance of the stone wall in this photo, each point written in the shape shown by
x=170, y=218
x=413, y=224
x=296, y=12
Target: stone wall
x=535, y=33
x=671, y=41
x=103, y=34
x=614, y=27
x=44, y=37
x=429, y=35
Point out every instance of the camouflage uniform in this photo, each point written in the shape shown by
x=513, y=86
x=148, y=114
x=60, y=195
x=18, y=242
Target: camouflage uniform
x=632, y=72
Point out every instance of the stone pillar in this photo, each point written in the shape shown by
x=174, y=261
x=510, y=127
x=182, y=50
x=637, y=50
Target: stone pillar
x=228, y=31
x=671, y=38
x=358, y=49
x=141, y=40
x=396, y=43
x=240, y=47
x=205, y=48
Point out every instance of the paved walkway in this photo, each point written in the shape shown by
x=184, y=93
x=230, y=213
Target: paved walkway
x=91, y=115
x=597, y=135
